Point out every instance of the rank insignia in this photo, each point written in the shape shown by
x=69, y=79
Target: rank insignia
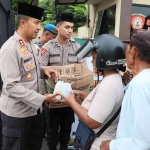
x=29, y=75
x=36, y=50
x=43, y=51
x=25, y=54
x=32, y=64
x=22, y=49
x=137, y=21
x=28, y=66
x=21, y=42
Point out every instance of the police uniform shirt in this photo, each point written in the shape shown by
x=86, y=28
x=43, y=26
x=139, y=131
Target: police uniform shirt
x=20, y=71
x=53, y=53
x=38, y=46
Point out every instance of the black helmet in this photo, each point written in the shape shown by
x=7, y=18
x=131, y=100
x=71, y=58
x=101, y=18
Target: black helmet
x=110, y=52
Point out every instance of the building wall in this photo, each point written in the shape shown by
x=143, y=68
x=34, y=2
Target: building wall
x=94, y=9
x=84, y=32
x=146, y=2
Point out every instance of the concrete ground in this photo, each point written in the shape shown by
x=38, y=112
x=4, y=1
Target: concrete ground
x=44, y=146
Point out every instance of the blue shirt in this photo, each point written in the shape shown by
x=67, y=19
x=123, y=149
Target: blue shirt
x=133, y=132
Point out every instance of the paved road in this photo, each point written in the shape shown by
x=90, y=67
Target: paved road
x=44, y=146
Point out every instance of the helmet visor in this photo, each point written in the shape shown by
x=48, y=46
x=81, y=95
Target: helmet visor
x=86, y=48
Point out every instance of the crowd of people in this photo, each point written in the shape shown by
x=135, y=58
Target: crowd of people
x=24, y=64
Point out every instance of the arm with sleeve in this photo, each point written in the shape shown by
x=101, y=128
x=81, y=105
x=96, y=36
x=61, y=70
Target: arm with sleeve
x=133, y=128
x=98, y=110
x=11, y=77
x=44, y=55
x=44, y=60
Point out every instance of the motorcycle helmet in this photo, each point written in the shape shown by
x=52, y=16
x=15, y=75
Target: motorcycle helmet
x=110, y=52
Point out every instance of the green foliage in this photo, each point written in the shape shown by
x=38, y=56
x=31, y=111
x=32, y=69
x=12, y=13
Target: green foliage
x=79, y=8
x=50, y=12
x=79, y=11
x=111, y=13
x=15, y=3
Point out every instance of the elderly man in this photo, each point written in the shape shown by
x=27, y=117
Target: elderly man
x=133, y=129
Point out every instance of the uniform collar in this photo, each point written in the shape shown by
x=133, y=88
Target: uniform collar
x=18, y=37
x=38, y=40
x=56, y=42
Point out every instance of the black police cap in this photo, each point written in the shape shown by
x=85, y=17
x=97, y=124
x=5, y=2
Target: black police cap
x=65, y=17
x=30, y=10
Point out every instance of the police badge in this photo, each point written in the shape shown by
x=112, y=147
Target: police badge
x=137, y=21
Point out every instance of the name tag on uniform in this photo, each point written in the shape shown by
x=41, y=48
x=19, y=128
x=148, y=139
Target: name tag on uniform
x=27, y=60
x=71, y=54
x=54, y=55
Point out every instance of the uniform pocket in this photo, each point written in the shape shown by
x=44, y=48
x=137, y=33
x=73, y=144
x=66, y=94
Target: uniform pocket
x=11, y=138
x=72, y=59
x=54, y=60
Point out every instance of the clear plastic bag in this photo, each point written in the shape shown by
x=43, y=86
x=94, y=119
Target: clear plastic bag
x=62, y=87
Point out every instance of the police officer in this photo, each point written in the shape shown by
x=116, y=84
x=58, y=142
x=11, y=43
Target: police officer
x=49, y=33
x=58, y=52
x=20, y=103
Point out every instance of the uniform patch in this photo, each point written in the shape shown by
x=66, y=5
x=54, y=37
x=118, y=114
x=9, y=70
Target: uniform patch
x=22, y=49
x=36, y=50
x=43, y=51
x=29, y=75
x=28, y=66
x=25, y=54
x=21, y=42
x=137, y=21
x=32, y=64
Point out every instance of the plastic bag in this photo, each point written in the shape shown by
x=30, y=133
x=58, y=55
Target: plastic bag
x=62, y=87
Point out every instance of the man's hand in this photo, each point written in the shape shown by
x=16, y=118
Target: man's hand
x=46, y=103
x=67, y=100
x=51, y=73
x=80, y=94
x=127, y=77
x=51, y=98
x=105, y=145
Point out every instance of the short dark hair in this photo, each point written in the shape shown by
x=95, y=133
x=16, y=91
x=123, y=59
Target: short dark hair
x=44, y=30
x=21, y=17
x=60, y=22
x=143, y=54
